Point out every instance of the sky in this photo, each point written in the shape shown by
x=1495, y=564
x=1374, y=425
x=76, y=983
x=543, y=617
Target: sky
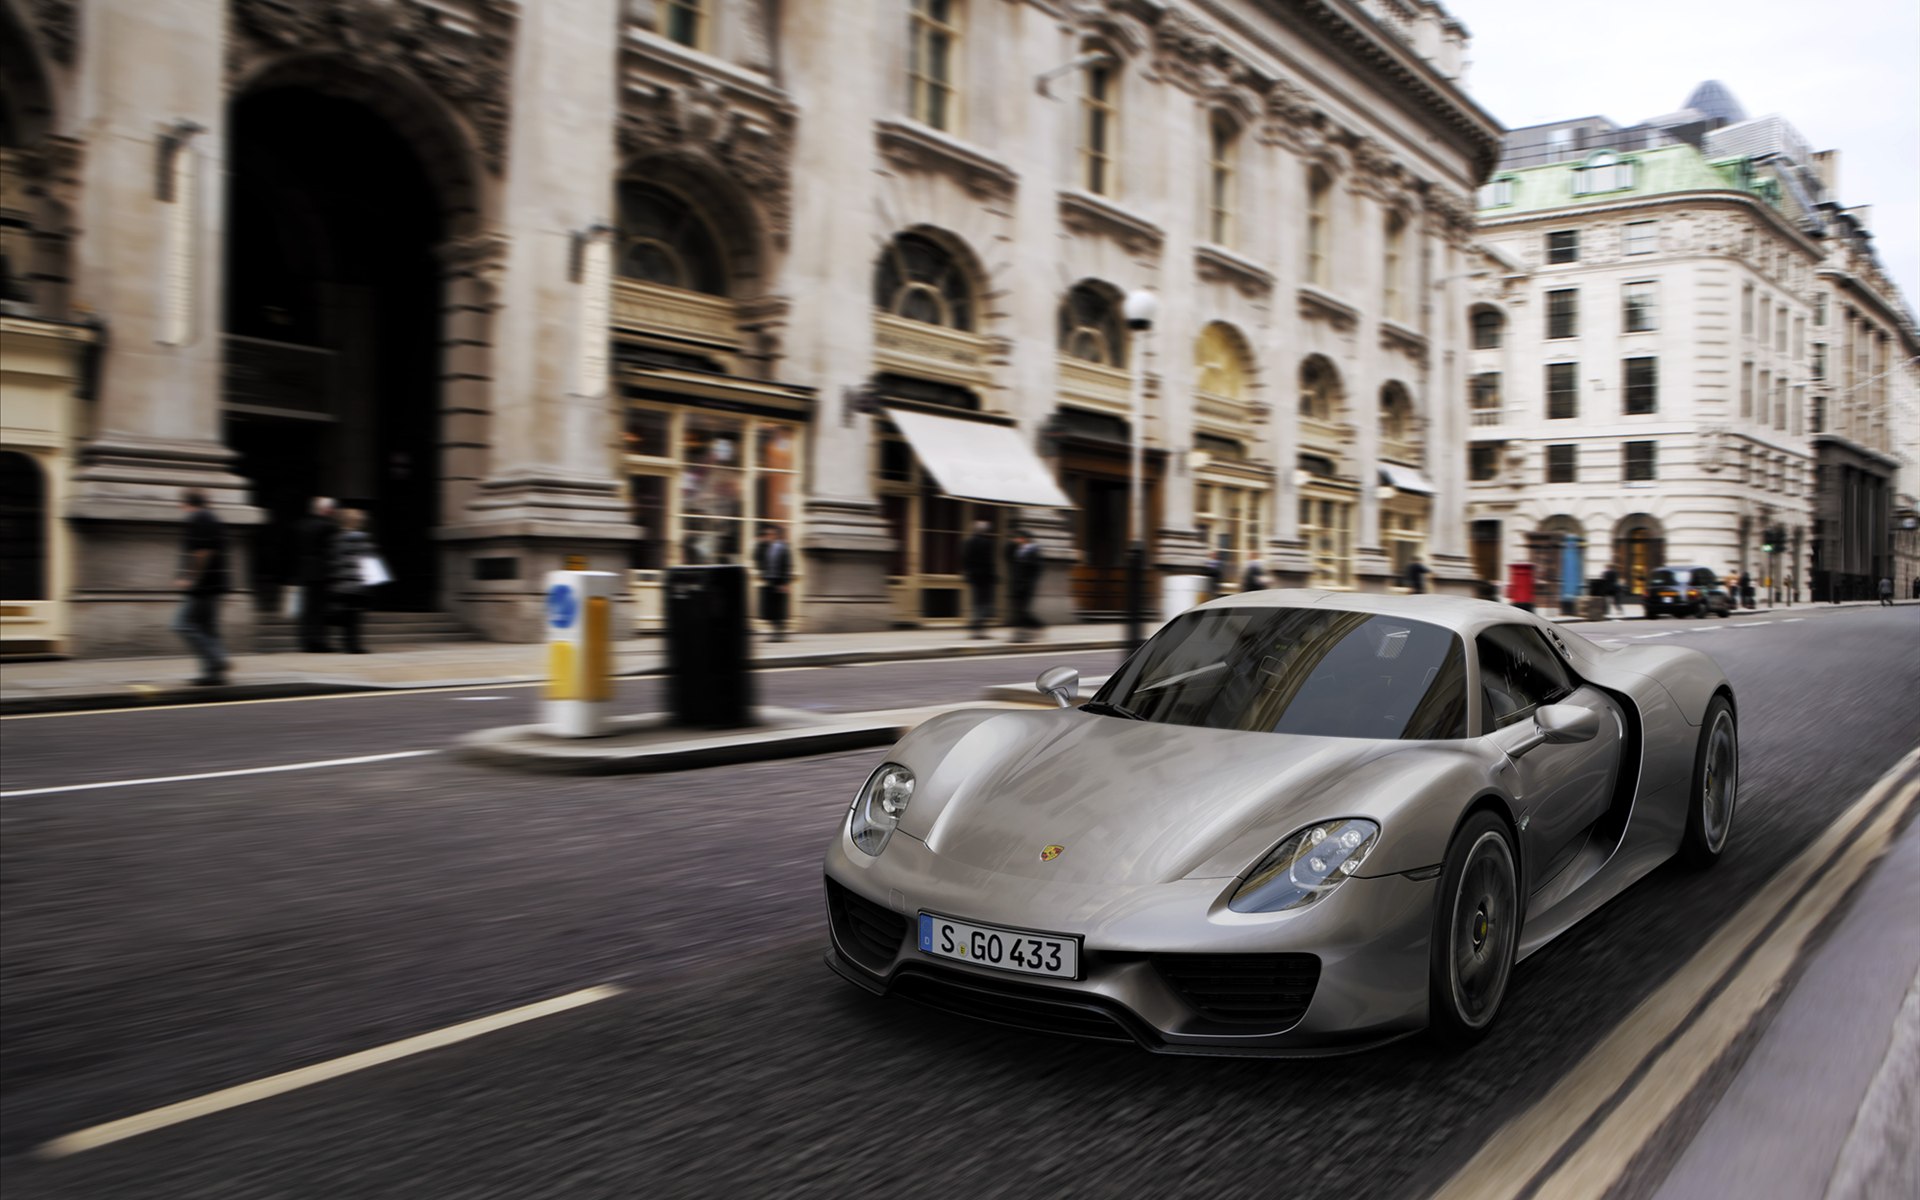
x=1847, y=77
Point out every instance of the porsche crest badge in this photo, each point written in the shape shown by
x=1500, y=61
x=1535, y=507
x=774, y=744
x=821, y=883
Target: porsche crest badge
x=1049, y=853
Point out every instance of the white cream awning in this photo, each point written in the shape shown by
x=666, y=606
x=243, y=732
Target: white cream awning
x=1405, y=479
x=972, y=460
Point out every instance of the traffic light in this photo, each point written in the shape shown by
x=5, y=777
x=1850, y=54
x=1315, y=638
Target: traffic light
x=1776, y=540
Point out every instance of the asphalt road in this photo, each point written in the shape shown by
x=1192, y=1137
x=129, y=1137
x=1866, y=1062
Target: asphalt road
x=164, y=941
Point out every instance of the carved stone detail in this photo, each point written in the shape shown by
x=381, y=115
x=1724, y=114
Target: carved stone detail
x=1450, y=215
x=462, y=54
x=1217, y=265
x=1093, y=217
x=908, y=147
x=58, y=22
x=699, y=121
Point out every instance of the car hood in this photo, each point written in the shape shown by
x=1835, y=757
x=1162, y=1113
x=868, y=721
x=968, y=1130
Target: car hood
x=1129, y=802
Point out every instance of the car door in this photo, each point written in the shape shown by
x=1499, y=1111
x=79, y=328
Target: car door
x=1562, y=789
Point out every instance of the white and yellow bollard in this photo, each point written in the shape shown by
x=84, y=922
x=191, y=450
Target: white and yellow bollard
x=579, y=652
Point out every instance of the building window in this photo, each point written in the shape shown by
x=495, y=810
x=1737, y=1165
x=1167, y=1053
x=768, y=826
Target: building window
x=1563, y=313
x=1563, y=464
x=1641, y=386
x=1746, y=309
x=664, y=241
x=1563, y=391
x=702, y=482
x=1639, y=464
x=1820, y=309
x=1766, y=322
x=933, y=33
x=1780, y=403
x=1497, y=194
x=1393, y=266
x=1780, y=329
x=687, y=22
x=1641, y=237
x=918, y=279
x=1484, y=395
x=1799, y=410
x=1819, y=362
x=1090, y=326
x=1563, y=246
x=1488, y=327
x=1746, y=390
x=1639, y=307
x=1222, y=367
x=1319, y=390
x=1099, y=128
x=1326, y=526
x=1229, y=519
x=1319, y=224
x=1765, y=391
x=1604, y=172
x=1799, y=338
x=1223, y=153
x=1483, y=461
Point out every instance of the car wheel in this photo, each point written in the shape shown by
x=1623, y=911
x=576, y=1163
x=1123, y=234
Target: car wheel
x=1715, y=786
x=1476, y=932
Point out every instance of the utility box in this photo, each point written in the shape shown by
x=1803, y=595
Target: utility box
x=580, y=651
x=709, y=675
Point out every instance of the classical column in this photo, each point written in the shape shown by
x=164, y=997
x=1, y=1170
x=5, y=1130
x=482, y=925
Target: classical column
x=550, y=493
x=1447, y=430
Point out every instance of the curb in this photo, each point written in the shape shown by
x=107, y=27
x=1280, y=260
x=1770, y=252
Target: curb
x=530, y=748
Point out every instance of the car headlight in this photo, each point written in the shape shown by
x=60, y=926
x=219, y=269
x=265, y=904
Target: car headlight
x=1306, y=866
x=877, y=808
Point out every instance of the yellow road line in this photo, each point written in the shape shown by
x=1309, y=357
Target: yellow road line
x=276, y=1085
x=1518, y=1152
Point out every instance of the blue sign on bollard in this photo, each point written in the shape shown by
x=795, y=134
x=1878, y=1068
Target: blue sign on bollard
x=562, y=606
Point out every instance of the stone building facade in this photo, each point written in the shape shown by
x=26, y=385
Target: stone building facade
x=624, y=282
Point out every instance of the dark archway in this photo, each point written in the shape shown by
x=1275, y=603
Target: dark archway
x=333, y=323
x=23, y=528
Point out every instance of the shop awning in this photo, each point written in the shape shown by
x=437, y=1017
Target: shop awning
x=1405, y=479
x=972, y=460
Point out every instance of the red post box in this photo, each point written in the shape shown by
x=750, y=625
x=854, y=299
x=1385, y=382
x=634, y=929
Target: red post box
x=1520, y=584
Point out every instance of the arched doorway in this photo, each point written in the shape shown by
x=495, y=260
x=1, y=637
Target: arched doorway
x=1639, y=545
x=333, y=314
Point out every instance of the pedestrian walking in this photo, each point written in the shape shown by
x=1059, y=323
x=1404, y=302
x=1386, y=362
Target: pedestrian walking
x=1916, y=587
x=1416, y=575
x=351, y=587
x=773, y=558
x=201, y=582
x=1215, y=569
x=981, y=566
x=1023, y=579
x=313, y=545
x=1255, y=579
x=1790, y=589
x=1610, y=588
x=1886, y=591
x=1746, y=589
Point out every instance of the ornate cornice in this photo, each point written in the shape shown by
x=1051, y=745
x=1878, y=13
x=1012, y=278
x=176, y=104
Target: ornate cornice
x=1450, y=215
x=1219, y=265
x=699, y=121
x=58, y=23
x=1093, y=216
x=1316, y=305
x=462, y=52
x=1395, y=336
x=912, y=147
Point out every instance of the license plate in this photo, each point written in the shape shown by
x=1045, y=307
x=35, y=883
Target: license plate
x=1005, y=949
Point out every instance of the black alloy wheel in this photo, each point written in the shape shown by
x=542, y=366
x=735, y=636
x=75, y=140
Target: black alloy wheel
x=1476, y=932
x=1714, y=789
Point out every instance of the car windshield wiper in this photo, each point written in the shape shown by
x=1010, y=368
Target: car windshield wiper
x=1111, y=709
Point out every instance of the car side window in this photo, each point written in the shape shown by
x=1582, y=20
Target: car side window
x=1519, y=672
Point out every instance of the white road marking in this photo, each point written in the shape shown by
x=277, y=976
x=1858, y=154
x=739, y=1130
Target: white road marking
x=1790, y=620
x=1750, y=624
x=275, y=1085
x=1643, y=636
x=305, y=766
x=475, y=698
x=1751, y=952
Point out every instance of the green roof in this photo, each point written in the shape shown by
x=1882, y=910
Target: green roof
x=1661, y=171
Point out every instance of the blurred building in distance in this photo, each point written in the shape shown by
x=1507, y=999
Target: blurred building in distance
x=629, y=280
x=1683, y=351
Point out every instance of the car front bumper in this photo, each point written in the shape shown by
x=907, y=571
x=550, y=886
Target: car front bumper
x=1155, y=960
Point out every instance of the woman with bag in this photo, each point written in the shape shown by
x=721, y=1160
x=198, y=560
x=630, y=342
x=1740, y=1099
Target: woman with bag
x=356, y=569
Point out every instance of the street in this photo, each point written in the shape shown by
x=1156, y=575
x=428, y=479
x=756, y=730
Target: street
x=165, y=940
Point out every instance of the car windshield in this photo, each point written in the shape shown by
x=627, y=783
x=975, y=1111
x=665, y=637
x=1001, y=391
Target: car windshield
x=1315, y=671
x=1663, y=577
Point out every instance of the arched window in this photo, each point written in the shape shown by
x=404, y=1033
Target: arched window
x=1221, y=367
x=1319, y=390
x=1099, y=126
x=1223, y=152
x=1319, y=225
x=663, y=241
x=917, y=278
x=1488, y=328
x=1396, y=413
x=23, y=528
x=1394, y=299
x=933, y=37
x=1090, y=326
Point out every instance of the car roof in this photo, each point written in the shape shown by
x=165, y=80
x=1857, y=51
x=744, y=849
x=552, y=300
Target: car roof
x=1462, y=614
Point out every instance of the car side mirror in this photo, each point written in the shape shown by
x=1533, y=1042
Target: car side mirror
x=1061, y=683
x=1558, y=725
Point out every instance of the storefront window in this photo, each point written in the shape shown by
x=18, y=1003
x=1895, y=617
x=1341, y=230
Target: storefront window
x=1326, y=525
x=1228, y=517
x=702, y=483
x=649, y=433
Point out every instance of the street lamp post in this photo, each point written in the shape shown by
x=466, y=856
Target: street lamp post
x=1140, y=308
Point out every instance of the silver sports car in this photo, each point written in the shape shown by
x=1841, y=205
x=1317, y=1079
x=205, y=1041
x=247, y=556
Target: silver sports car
x=1292, y=822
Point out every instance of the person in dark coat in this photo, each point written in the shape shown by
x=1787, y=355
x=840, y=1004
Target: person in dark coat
x=202, y=581
x=1610, y=588
x=1746, y=589
x=773, y=559
x=1416, y=576
x=981, y=566
x=1255, y=579
x=313, y=570
x=347, y=592
x=1023, y=580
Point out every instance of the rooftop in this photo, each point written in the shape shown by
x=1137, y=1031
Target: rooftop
x=1663, y=170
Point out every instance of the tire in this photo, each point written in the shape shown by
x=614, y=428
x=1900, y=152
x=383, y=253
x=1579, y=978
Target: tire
x=1476, y=932
x=1713, y=791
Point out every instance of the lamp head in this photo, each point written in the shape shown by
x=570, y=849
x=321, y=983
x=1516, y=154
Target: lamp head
x=1140, y=307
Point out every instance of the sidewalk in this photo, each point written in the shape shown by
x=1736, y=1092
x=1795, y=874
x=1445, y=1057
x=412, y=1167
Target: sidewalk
x=1827, y=1104
x=138, y=682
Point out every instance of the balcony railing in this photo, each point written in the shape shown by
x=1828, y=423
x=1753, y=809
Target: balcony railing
x=931, y=351
x=1092, y=386
x=1323, y=435
x=1400, y=450
x=672, y=312
x=1481, y=417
